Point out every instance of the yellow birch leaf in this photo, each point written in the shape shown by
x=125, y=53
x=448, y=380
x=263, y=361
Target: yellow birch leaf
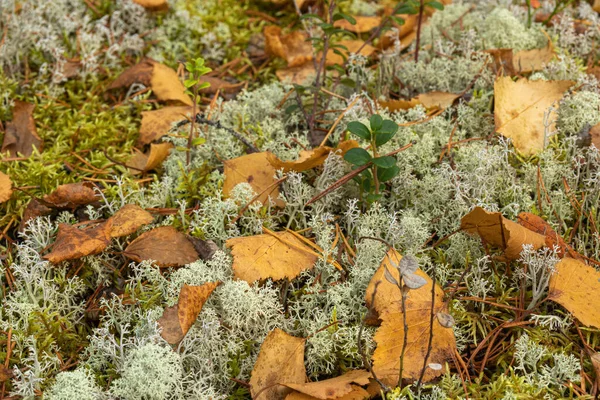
x=280, y=359
x=129, y=219
x=166, y=85
x=157, y=123
x=576, y=286
x=5, y=187
x=363, y=23
x=526, y=61
x=500, y=232
x=332, y=388
x=144, y=162
x=520, y=107
x=256, y=258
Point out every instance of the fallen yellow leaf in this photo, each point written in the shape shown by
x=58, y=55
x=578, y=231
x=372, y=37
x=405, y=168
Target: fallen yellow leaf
x=5, y=187
x=293, y=47
x=256, y=258
x=357, y=393
x=129, y=219
x=280, y=359
x=72, y=242
x=157, y=123
x=520, y=107
x=144, y=162
x=363, y=23
x=309, y=159
x=153, y=5
x=332, y=388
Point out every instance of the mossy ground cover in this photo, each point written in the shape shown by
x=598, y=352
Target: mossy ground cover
x=89, y=327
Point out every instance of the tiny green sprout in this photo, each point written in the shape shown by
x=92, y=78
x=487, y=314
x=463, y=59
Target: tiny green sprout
x=382, y=168
x=195, y=69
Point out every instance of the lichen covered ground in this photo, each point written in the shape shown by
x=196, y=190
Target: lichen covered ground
x=90, y=327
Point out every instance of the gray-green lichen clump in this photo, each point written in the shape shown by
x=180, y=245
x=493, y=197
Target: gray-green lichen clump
x=70, y=344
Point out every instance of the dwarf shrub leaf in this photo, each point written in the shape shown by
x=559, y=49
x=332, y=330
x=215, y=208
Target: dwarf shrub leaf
x=359, y=129
x=357, y=156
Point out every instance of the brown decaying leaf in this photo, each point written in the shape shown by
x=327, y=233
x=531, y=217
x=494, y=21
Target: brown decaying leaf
x=309, y=159
x=520, y=107
x=363, y=23
x=429, y=100
x=332, y=388
x=5, y=187
x=72, y=195
x=165, y=245
x=176, y=321
x=500, y=232
x=20, y=134
x=357, y=393
x=299, y=75
x=72, y=242
x=595, y=134
x=5, y=373
x=280, y=359
x=144, y=162
x=539, y=225
x=163, y=80
x=256, y=170
x=256, y=258
x=293, y=47
x=157, y=123
x=35, y=208
x=129, y=219
x=576, y=286
x=390, y=335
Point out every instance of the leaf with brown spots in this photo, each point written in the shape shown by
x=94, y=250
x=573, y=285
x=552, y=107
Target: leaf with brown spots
x=500, y=232
x=357, y=393
x=256, y=170
x=35, y=208
x=520, y=108
x=576, y=286
x=280, y=359
x=72, y=242
x=176, y=321
x=309, y=159
x=20, y=134
x=5, y=187
x=390, y=335
x=163, y=81
x=164, y=245
x=256, y=258
x=144, y=162
x=539, y=225
x=72, y=195
x=129, y=219
x=332, y=388
x=293, y=47
x=157, y=123
x=363, y=24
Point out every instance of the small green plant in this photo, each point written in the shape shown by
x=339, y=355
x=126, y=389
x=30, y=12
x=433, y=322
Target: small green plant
x=382, y=168
x=195, y=69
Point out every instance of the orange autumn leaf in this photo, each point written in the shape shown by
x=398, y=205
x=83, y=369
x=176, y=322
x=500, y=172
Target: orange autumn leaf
x=595, y=135
x=163, y=81
x=259, y=257
x=500, y=232
x=256, y=170
x=429, y=100
x=332, y=388
x=357, y=393
x=153, y=5
x=144, y=162
x=539, y=225
x=363, y=23
x=576, y=286
x=157, y=123
x=293, y=47
x=164, y=245
x=5, y=187
x=520, y=109
x=72, y=242
x=129, y=219
x=72, y=195
x=390, y=335
x=280, y=359
x=20, y=134
x=352, y=46
x=309, y=159
x=176, y=321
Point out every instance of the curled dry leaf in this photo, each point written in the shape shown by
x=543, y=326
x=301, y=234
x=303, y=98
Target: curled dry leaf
x=72, y=195
x=164, y=245
x=500, y=232
x=309, y=159
x=35, y=208
x=520, y=108
x=332, y=388
x=5, y=187
x=144, y=162
x=176, y=321
x=129, y=219
x=390, y=335
x=256, y=258
x=72, y=242
x=539, y=225
x=157, y=123
x=293, y=47
x=363, y=23
x=256, y=170
x=280, y=359
x=357, y=393
x=163, y=80
x=20, y=134
x=576, y=286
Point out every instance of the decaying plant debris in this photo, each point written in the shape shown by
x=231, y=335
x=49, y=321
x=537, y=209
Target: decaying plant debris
x=286, y=199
